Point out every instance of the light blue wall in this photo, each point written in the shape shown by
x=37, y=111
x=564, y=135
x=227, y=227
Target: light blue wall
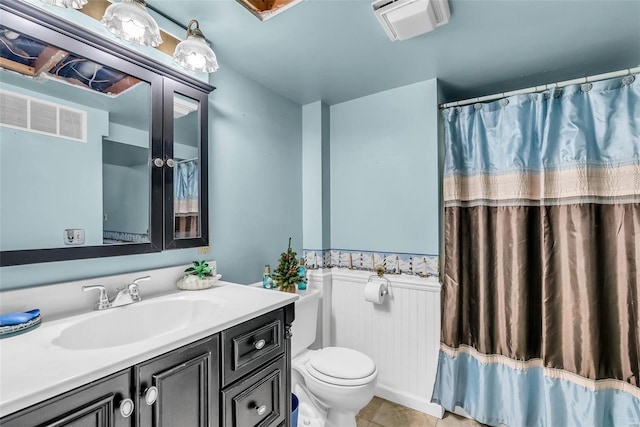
x=316, y=203
x=128, y=135
x=186, y=133
x=255, y=175
x=384, y=171
x=34, y=212
x=126, y=181
x=255, y=192
x=126, y=198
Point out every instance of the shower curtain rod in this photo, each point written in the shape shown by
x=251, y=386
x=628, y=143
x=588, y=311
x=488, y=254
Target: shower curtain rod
x=186, y=160
x=541, y=88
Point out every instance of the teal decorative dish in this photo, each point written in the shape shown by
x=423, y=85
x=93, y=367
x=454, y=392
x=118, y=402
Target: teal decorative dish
x=12, y=330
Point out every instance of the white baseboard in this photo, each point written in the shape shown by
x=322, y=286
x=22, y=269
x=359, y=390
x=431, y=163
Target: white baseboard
x=410, y=401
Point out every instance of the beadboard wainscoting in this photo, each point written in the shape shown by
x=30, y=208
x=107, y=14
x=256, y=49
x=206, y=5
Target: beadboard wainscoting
x=402, y=335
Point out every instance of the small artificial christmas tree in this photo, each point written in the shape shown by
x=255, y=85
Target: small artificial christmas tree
x=286, y=275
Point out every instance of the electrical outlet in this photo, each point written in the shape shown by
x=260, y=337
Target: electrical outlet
x=204, y=250
x=74, y=236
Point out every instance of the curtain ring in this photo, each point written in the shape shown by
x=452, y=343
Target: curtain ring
x=546, y=94
x=627, y=80
x=477, y=106
x=586, y=87
x=557, y=93
x=533, y=96
x=458, y=110
x=504, y=102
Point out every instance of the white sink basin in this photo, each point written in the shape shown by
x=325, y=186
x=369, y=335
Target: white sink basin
x=133, y=323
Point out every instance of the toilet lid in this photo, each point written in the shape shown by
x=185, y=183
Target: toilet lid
x=342, y=363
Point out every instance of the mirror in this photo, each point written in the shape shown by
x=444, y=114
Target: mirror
x=186, y=183
x=74, y=149
x=93, y=135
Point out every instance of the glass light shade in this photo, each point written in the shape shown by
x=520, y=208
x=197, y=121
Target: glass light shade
x=194, y=53
x=130, y=21
x=72, y=4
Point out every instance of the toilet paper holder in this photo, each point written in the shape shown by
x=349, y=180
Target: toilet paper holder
x=380, y=275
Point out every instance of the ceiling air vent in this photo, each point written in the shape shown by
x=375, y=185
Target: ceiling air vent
x=403, y=19
x=33, y=115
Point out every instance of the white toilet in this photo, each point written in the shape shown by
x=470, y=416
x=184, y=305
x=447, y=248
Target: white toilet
x=333, y=383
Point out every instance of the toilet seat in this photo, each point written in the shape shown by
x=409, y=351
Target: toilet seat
x=342, y=366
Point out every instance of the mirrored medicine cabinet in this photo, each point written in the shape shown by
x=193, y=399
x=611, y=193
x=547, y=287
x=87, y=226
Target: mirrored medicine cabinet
x=103, y=152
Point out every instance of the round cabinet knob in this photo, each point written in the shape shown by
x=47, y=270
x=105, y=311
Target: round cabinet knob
x=151, y=395
x=261, y=409
x=158, y=162
x=126, y=408
x=259, y=344
x=170, y=163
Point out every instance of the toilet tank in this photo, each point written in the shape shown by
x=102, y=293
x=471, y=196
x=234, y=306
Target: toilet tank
x=306, y=321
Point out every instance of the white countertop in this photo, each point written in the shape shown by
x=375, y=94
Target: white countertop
x=33, y=368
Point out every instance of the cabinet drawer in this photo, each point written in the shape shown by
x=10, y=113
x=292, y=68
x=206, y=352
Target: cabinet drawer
x=257, y=400
x=251, y=344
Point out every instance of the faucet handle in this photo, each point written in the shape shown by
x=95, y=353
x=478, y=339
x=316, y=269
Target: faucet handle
x=103, y=300
x=134, y=291
x=141, y=279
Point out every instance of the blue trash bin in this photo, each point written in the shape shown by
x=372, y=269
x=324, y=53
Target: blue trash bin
x=294, y=410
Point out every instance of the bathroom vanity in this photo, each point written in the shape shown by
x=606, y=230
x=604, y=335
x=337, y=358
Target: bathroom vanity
x=227, y=365
x=122, y=122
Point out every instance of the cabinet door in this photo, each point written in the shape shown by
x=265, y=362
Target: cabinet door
x=94, y=405
x=258, y=400
x=185, y=140
x=186, y=387
x=96, y=119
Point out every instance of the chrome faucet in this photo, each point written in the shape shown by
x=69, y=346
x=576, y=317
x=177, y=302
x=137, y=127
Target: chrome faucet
x=127, y=295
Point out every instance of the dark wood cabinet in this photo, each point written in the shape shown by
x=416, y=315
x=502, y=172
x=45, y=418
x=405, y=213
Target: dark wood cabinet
x=255, y=371
x=185, y=151
x=239, y=377
x=99, y=404
x=166, y=145
x=186, y=383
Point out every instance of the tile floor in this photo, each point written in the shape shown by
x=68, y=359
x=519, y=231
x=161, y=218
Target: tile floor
x=382, y=413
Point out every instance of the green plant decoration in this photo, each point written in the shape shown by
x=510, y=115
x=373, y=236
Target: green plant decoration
x=200, y=269
x=286, y=275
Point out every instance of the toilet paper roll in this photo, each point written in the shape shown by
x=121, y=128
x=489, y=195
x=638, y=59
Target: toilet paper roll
x=375, y=292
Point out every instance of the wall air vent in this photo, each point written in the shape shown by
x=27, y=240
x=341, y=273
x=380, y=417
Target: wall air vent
x=403, y=19
x=33, y=115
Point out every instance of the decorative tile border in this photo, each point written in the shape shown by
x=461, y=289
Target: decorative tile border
x=394, y=263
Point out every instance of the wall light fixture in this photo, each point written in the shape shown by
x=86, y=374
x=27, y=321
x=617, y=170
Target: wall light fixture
x=130, y=21
x=194, y=53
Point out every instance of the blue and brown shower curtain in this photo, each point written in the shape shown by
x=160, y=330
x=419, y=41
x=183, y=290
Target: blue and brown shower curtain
x=540, y=295
x=186, y=202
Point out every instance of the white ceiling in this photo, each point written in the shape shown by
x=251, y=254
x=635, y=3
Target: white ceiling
x=335, y=50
